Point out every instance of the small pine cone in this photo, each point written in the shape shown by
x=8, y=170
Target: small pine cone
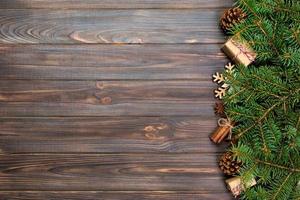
x=230, y=17
x=228, y=164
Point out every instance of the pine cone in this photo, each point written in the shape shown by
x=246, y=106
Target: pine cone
x=228, y=164
x=230, y=17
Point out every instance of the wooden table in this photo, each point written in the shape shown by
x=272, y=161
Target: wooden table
x=109, y=99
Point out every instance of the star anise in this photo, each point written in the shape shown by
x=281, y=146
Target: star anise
x=219, y=108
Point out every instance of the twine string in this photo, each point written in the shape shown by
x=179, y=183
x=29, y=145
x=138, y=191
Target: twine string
x=243, y=50
x=226, y=123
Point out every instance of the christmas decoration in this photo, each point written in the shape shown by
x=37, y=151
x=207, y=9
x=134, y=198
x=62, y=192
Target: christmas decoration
x=236, y=187
x=220, y=79
x=220, y=92
x=228, y=164
x=223, y=131
x=239, y=52
x=231, y=17
x=219, y=109
x=263, y=101
x=229, y=68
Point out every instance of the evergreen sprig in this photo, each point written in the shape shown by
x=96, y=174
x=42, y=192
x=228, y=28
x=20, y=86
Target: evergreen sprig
x=264, y=99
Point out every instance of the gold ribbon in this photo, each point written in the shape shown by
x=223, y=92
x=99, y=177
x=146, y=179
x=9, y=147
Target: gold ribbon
x=226, y=123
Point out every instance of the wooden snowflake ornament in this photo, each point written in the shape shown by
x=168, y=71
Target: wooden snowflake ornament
x=229, y=68
x=220, y=79
x=220, y=92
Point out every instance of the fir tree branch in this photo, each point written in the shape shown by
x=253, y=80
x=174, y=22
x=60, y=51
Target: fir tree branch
x=234, y=81
x=258, y=23
x=241, y=114
x=264, y=99
x=258, y=120
x=265, y=114
x=239, y=92
x=291, y=161
x=265, y=148
x=268, y=82
x=270, y=128
x=238, y=153
x=249, y=97
x=278, y=166
x=284, y=107
x=295, y=34
x=278, y=9
x=281, y=186
x=238, y=34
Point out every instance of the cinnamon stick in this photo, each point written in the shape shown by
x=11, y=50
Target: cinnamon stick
x=219, y=135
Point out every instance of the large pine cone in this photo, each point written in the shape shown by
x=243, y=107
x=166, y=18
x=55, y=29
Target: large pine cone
x=231, y=17
x=228, y=164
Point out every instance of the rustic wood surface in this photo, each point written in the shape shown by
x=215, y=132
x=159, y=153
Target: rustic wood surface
x=109, y=99
x=118, y=134
x=114, y=4
x=106, y=98
x=110, y=26
x=110, y=62
x=145, y=172
x=115, y=195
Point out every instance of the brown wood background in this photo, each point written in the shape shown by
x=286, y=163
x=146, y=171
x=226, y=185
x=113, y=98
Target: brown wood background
x=109, y=99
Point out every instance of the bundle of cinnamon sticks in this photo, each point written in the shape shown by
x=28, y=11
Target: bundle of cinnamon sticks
x=221, y=132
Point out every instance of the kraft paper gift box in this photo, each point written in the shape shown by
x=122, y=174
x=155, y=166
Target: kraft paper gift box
x=239, y=52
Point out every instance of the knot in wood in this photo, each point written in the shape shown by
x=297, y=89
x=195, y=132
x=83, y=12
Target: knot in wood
x=106, y=100
x=150, y=129
x=100, y=85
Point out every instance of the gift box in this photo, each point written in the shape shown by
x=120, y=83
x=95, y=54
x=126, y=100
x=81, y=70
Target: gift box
x=239, y=52
x=236, y=187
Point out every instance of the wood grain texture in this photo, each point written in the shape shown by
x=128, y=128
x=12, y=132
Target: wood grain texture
x=116, y=195
x=107, y=135
x=113, y=4
x=121, y=172
x=109, y=99
x=106, y=98
x=110, y=26
x=99, y=92
x=110, y=62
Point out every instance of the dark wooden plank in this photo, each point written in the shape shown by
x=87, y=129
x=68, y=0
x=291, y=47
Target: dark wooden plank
x=116, y=195
x=107, y=62
x=110, y=26
x=121, y=172
x=107, y=135
x=114, y=4
x=105, y=92
x=106, y=98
